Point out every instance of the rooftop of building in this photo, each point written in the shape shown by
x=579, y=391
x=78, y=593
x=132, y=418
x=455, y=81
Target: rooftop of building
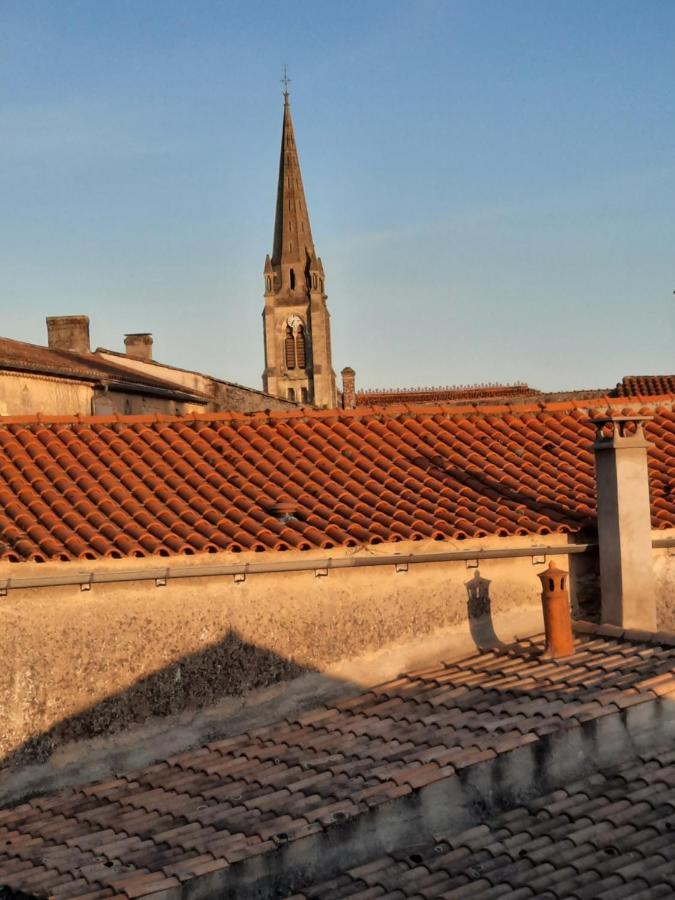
x=19, y=356
x=444, y=393
x=100, y=351
x=631, y=386
x=91, y=487
x=645, y=385
x=603, y=837
x=495, y=752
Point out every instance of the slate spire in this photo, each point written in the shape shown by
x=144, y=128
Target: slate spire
x=292, y=231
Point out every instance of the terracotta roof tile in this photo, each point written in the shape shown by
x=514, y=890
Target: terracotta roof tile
x=137, y=486
x=645, y=385
x=598, y=847
x=202, y=811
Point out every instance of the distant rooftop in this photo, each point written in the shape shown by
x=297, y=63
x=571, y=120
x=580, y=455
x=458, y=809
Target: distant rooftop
x=645, y=385
x=18, y=356
x=440, y=394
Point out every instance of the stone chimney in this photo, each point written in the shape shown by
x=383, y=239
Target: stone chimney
x=624, y=522
x=138, y=345
x=348, y=388
x=68, y=333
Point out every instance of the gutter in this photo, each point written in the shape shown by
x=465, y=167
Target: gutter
x=320, y=567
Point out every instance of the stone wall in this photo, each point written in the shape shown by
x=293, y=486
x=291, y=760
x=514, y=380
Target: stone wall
x=224, y=395
x=110, y=402
x=234, y=398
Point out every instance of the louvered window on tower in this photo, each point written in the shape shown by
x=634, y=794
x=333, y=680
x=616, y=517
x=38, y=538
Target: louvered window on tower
x=290, y=349
x=300, y=347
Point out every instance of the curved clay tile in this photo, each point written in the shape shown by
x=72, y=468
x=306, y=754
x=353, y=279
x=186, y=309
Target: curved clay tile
x=161, y=474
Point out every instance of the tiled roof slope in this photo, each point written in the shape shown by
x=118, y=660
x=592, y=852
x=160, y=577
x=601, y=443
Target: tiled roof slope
x=202, y=812
x=645, y=385
x=604, y=837
x=22, y=357
x=134, y=486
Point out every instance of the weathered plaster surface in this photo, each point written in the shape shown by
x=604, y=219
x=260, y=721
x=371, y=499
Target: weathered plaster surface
x=80, y=664
x=24, y=394
x=92, y=758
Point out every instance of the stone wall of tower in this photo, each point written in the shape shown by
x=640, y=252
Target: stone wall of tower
x=325, y=393
x=278, y=378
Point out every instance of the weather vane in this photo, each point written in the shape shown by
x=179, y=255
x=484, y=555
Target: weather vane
x=285, y=81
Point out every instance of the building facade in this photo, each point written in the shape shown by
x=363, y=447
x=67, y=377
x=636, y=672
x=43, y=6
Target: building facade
x=296, y=321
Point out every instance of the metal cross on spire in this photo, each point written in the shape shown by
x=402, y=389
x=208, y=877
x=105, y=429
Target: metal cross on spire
x=285, y=80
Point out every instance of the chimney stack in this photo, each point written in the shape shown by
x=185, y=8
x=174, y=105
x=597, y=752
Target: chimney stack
x=139, y=345
x=68, y=333
x=624, y=522
x=348, y=388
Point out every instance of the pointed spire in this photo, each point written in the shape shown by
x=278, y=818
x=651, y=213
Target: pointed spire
x=292, y=232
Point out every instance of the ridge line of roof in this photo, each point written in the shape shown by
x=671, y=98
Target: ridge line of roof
x=363, y=412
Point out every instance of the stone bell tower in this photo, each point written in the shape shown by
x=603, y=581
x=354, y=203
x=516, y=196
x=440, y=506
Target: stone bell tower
x=296, y=321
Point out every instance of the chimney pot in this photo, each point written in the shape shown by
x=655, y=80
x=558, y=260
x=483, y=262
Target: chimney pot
x=557, y=618
x=139, y=345
x=68, y=333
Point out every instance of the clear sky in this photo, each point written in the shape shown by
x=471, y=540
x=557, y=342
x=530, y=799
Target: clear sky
x=491, y=184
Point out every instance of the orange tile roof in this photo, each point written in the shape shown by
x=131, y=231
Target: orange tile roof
x=203, y=811
x=139, y=485
x=645, y=385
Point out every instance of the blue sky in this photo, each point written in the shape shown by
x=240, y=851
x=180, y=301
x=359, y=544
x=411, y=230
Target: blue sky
x=491, y=185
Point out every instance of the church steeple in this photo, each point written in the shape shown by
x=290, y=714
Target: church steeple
x=293, y=243
x=296, y=320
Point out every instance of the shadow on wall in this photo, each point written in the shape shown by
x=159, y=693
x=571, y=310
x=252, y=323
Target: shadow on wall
x=225, y=670
x=479, y=612
x=229, y=668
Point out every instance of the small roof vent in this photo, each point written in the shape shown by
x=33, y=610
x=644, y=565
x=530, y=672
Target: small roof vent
x=284, y=509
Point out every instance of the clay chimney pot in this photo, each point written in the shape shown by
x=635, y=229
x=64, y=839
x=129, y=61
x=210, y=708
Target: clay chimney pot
x=556, y=608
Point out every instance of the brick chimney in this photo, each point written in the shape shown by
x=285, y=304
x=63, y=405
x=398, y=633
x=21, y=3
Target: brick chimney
x=68, y=333
x=138, y=345
x=348, y=388
x=624, y=522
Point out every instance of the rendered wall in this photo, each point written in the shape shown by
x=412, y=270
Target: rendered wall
x=25, y=394
x=83, y=663
x=664, y=581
